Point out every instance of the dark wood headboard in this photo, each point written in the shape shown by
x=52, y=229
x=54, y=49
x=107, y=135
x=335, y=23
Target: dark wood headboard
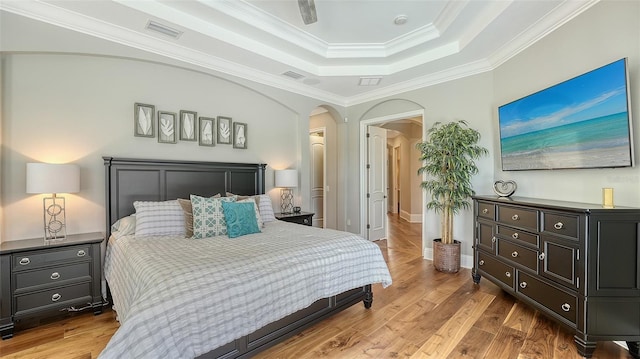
x=128, y=180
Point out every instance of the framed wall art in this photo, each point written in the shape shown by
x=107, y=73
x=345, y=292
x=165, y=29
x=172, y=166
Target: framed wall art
x=224, y=130
x=188, y=126
x=239, y=135
x=207, y=131
x=167, y=127
x=144, y=120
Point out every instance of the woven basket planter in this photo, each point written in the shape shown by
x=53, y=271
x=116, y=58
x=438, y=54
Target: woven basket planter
x=446, y=257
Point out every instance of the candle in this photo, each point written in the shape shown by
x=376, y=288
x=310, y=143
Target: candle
x=607, y=197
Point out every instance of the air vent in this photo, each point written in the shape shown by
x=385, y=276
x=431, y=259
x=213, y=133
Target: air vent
x=163, y=29
x=293, y=75
x=369, y=81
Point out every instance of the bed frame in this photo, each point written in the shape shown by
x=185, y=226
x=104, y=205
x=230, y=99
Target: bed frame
x=128, y=180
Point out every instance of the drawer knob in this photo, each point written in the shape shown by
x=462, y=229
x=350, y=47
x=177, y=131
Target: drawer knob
x=508, y=274
x=306, y=220
x=566, y=307
x=481, y=262
x=81, y=253
x=523, y=285
x=55, y=275
x=514, y=254
x=515, y=235
x=558, y=225
x=541, y=256
x=56, y=297
x=493, y=239
x=485, y=211
x=24, y=261
x=515, y=217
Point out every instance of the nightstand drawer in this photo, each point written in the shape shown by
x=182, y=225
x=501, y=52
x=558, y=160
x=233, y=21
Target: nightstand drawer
x=57, y=297
x=29, y=260
x=53, y=275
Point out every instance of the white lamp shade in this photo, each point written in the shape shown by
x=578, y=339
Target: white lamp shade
x=53, y=178
x=287, y=178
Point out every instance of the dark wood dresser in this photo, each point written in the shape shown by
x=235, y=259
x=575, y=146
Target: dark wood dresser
x=578, y=263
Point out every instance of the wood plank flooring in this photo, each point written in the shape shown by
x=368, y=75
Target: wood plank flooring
x=424, y=314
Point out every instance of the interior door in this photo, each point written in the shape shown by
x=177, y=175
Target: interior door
x=376, y=183
x=317, y=178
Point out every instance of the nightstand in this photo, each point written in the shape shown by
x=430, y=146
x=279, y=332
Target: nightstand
x=38, y=278
x=300, y=217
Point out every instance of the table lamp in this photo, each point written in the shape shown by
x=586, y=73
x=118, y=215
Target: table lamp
x=53, y=178
x=286, y=180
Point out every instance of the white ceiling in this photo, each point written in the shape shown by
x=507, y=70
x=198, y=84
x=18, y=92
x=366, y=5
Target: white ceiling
x=262, y=39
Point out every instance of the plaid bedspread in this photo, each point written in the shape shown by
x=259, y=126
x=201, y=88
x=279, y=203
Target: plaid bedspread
x=180, y=298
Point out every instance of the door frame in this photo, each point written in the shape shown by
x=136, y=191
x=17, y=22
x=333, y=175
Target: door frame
x=324, y=171
x=363, y=163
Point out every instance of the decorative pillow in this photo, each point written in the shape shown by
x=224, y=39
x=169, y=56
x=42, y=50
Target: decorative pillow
x=159, y=218
x=255, y=206
x=208, y=217
x=188, y=215
x=266, y=210
x=241, y=218
x=124, y=226
x=238, y=197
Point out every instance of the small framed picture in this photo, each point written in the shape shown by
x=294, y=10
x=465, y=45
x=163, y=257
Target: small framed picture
x=144, y=121
x=167, y=127
x=239, y=135
x=188, y=128
x=224, y=130
x=207, y=131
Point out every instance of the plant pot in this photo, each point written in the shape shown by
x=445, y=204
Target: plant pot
x=446, y=257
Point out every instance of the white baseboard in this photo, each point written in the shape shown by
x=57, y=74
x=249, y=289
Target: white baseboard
x=411, y=217
x=466, y=261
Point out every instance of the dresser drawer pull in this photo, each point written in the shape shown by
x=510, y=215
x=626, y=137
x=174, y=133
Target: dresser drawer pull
x=481, y=262
x=306, y=220
x=515, y=236
x=508, y=274
x=81, y=253
x=24, y=261
x=493, y=239
x=515, y=217
x=523, y=285
x=558, y=225
x=55, y=275
x=485, y=211
x=56, y=297
x=566, y=307
x=541, y=256
x=514, y=254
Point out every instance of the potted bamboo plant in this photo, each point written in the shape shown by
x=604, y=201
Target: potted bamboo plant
x=449, y=156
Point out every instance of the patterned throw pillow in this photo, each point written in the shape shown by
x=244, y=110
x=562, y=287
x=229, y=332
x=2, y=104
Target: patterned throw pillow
x=208, y=217
x=241, y=218
x=255, y=207
x=188, y=215
x=159, y=218
x=266, y=210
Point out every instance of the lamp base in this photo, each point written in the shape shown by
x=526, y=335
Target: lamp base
x=54, y=219
x=286, y=200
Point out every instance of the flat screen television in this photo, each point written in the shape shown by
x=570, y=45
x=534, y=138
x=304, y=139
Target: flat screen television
x=584, y=122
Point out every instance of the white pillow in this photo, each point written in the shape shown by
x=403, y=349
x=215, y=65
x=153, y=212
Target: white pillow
x=208, y=216
x=159, y=218
x=266, y=209
x=124, y=226
x=255, y=207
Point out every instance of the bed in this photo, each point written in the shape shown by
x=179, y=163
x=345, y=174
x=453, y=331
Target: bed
x=221, y=297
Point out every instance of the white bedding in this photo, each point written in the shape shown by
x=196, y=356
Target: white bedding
x=180, y=298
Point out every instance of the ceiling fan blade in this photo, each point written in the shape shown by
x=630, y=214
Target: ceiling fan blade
x=308, y=11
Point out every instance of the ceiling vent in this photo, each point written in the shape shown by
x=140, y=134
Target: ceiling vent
x=369, y=81
x=163, y=29
x=293, y=75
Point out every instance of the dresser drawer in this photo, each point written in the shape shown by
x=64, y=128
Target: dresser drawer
x=25, y=280
x=35, y=259
x=518, y=217
x=52, y=298
x=518, y=254
x=486, y=210
x=518, y=235
x=495, y=268
x=561, y=224
x=559, y=301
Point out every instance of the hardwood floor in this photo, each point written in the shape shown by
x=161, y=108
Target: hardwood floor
x=424, y=314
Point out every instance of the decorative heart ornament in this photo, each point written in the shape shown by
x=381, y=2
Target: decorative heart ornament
x=504, y=188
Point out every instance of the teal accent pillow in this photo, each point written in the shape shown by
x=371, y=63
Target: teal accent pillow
x=208, y=217
x=240, y=218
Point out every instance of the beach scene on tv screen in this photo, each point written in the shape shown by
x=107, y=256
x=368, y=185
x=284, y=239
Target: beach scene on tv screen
x=579, y=123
